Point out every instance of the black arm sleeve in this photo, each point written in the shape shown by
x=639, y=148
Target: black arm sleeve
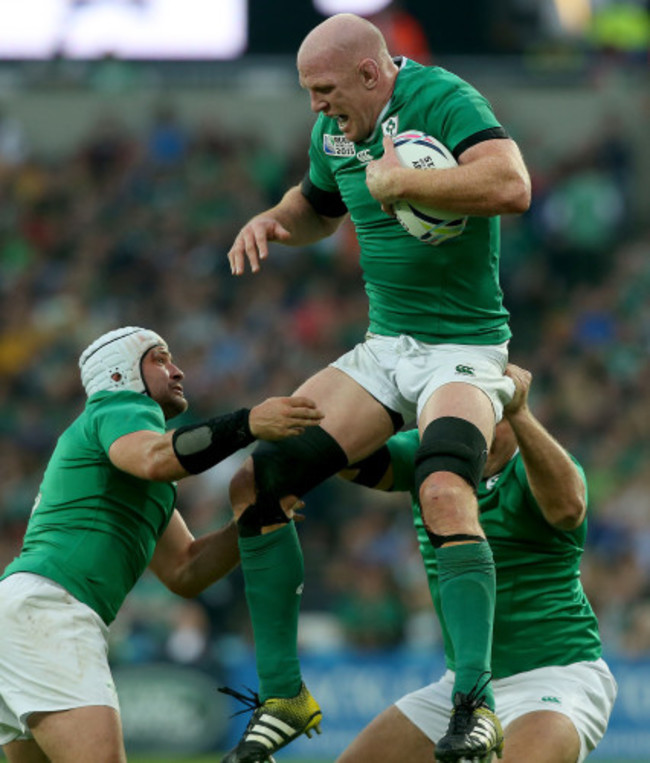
x=325, y=203
x=200, y=446
x=490, y=134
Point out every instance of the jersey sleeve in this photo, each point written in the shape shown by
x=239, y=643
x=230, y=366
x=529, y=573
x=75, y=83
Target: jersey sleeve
x=115, y=414
x=326, y=203
x=402, y=447
x=467, y=118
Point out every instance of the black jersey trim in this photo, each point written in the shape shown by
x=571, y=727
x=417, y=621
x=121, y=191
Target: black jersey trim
x=490, y=134
x=326, y=203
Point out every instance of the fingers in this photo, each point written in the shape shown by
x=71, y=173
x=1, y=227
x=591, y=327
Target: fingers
x=304, y=408
x=389, y=146
x=292, y=506
x=521, y=377
x=245, y=247
x=280, y=417
x=252, y=244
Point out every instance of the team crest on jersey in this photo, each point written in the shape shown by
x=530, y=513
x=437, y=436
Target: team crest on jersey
x=390, y=126
x=337, y=145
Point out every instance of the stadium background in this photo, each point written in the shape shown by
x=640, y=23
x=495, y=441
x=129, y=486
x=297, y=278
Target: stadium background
x=122, y=184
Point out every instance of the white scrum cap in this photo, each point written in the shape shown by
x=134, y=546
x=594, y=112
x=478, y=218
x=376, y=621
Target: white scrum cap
x=112, y=362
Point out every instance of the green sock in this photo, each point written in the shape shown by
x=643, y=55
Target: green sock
x=274, y=573
x=467, y=582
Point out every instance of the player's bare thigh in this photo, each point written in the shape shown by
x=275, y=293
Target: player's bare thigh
x=354, y=418
x=24, y=751
x=541, y=737
x=80, y=735
x=465, y=401
x=389, y=738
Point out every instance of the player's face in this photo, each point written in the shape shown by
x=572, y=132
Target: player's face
x=503, y=446
x=340, y=93
x=164, y=381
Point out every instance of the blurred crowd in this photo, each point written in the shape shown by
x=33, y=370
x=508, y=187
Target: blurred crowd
x=134, y=229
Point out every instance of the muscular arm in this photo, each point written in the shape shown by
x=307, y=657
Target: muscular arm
x=293, y=222
x=491, y=179
x=553, y=477
x=188, y=565
x=155, y=456
x=298, y=217
x=147, y=455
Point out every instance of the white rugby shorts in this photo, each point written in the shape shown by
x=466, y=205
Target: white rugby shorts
x=53, y=653
x=584, y=692
x=403, y=373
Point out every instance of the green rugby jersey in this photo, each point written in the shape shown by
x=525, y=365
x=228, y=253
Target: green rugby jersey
x=542, y=614
x=94, y=528
x=448, y=293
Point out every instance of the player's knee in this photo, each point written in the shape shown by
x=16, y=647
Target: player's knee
x=441, y=489
x=449, y=444
x=290, y=467
x=295, y=465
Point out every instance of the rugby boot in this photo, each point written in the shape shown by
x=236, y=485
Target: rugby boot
x=273, y=724
x=474, y=734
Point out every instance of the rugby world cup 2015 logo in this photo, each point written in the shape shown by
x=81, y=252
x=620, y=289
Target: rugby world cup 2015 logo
x=337, y=145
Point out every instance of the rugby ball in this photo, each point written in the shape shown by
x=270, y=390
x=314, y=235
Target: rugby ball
x=423, y=152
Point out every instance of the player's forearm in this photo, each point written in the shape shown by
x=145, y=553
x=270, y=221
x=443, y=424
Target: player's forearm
x=297, y=215
x=187, y=450
x=491, y=179
x=481, y=189
x=554, y=479
x=209, y=558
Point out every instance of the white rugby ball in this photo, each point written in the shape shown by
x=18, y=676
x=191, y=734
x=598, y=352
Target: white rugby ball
x=423, y=152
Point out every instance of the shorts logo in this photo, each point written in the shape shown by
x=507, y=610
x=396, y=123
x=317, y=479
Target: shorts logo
x=555, y=700
x=492, y=481
x=464, y=370
x=337, y=145
x=390, y=126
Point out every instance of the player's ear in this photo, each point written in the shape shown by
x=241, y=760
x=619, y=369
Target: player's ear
x=369, y=71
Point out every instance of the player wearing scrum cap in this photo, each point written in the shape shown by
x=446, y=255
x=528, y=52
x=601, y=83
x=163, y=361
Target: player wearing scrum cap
x=105, y=511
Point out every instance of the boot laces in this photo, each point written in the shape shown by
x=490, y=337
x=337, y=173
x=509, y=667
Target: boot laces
x=469, y=702
x=250, y=700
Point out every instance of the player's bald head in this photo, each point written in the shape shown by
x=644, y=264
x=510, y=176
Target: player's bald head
x=345, y=39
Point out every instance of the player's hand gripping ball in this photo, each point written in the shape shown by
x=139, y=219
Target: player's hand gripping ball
x=423, y=152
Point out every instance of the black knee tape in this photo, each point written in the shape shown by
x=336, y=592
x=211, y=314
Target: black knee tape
x=264, y=512
x=451, y=444
x=288, y=467
x=373, y=468
x=439, y=540
x=295, y=465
